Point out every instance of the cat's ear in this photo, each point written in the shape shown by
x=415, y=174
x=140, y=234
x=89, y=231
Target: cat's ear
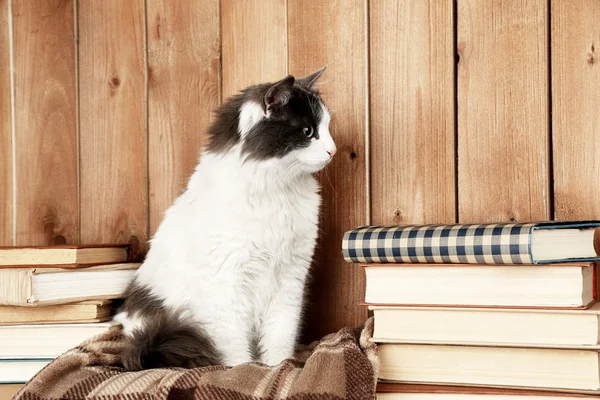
x=309, y=80
x=278, y=94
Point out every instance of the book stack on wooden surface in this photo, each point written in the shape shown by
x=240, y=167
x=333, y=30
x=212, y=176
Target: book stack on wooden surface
x=483, y=311
x=52, y=299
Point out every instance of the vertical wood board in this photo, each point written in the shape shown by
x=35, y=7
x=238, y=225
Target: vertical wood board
x=6, y=181
x=412, y=112
x=113, y=160
x=254, y=43
x=333, y=33
x=503, y=111
x=183, y=91
x=45, y=122
x=576, y=108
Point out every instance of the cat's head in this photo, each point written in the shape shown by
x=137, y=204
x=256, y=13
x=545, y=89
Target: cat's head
x=283, y=123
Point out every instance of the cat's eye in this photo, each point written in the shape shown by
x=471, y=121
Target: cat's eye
x=308, y=131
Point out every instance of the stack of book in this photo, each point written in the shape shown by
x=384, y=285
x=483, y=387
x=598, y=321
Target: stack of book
x=52, y=299
x=483, y=311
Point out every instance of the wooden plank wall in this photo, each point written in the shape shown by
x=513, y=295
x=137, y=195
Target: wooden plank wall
x=6, y=157
x=333, y=33
x=45, y=122
x=503, y=111
x=412, y=112
x=575, y=105
x=254, y=43
x=113, y=121
x=443, y=111
x=183, y=88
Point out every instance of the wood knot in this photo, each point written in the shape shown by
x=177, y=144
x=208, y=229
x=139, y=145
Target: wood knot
x=512, y=219
x=136, y=252
x=114, y=82
x=353, y=155
x=58, y=240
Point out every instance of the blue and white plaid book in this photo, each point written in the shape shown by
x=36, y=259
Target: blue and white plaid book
x=505, y=243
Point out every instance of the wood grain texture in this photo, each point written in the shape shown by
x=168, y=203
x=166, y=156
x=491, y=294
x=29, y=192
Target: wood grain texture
x=333, y=33
x=254, y=43
x=412, y=112
x=6, y=181
x=183, y=90
x=503, y=111
x=575, y=108
x=45, y=122
x=113, y=162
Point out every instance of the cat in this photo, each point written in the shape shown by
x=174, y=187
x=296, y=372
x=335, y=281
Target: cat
x=224, y=278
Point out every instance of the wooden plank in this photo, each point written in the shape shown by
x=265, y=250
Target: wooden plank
x=254, y=43
x=113, y=166
x=575, y=105
x=503, y=111
x=45, y=122
x=333, y=33
x=183, y=90
x=412, y=112
x=6, y=181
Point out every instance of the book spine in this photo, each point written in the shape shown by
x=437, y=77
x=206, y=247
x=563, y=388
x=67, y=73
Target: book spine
x=456, y=244
x=62, y=266
x=595, y=280
x=15, y=287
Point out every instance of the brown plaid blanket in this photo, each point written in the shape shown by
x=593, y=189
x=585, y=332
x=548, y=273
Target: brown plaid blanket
x=343, y=365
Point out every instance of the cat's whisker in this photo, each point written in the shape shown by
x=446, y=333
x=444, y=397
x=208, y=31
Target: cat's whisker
x=330, y=183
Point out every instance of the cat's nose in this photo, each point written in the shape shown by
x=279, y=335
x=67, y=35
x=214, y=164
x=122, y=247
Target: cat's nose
x=331, y=152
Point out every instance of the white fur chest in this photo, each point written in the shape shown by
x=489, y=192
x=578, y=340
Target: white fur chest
x=234, y=225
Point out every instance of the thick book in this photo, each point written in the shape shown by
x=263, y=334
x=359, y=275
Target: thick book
x=63, y=256
x=84, y=312
x=45, y=341
x=399, y=391
x=487, y=326
x=510, y=243
x=531, y=286
x=20, y=370
x=48, y=286
x=529, y=368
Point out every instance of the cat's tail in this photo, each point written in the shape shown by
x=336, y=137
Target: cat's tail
x=169, y=340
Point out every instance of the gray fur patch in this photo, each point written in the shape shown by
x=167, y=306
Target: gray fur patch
x=256, y=349
x=139, y=300
x=167, y=339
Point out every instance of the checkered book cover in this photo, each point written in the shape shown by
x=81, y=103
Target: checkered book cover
x=507, y=243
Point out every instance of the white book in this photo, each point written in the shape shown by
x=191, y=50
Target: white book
x=45, y=341
x=487, y=326
x=47, y=286
x=529, y=368
x=20, y=371
x=557, y=286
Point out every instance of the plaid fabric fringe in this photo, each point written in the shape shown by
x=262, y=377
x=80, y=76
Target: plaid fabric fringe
x=340, y=366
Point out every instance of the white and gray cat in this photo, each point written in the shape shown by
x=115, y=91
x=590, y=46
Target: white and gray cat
x=224, y=278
